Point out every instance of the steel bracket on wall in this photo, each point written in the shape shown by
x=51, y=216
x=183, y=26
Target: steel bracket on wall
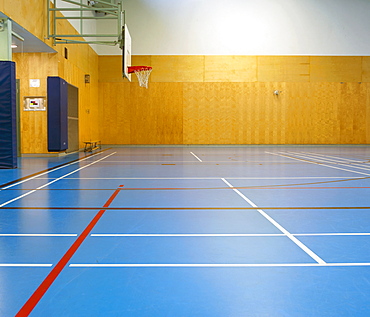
x=97, y=9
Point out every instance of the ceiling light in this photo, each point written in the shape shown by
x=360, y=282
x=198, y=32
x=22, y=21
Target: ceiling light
x=14, y=46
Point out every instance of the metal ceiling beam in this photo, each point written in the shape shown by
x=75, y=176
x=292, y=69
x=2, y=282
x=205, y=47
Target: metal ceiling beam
x=111, y=11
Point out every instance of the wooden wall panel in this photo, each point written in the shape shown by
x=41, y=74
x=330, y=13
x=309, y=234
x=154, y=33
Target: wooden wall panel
x=135, y=115
x=34, y=123
x=336, y=68
x=230, y=69
x=212, y=113
x=366, y=69
x=324, y=125
x=89, y=107
x=110, y=69
x=352, y=107
x=294, y=104
x=177, y=68
x=283, y=68
x=116, y=113
x=367, y=88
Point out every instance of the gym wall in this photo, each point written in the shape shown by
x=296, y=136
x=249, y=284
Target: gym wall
x=216, y=65
x=82, y=60
x=231, y=100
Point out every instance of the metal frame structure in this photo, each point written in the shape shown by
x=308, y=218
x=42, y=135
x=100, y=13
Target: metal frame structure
x=109, y=10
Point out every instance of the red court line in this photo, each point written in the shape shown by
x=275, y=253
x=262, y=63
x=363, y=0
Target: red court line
x=48, y=281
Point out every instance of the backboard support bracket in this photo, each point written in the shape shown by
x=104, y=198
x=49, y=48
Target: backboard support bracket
x=93, y=10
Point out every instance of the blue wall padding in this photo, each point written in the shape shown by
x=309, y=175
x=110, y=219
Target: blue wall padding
x=57, y=114
x=8, y=121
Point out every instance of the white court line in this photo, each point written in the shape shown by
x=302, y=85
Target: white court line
x=24, y=265
x=53, y=181
x=329, y=161
x=159, y=162
x=37, y=176
x=178, y=161
x=187, y=235
x=120, y=265
x=331, y=234
x=320, y=164
x=196, y=157
x=332, y=157
x=201, y=178
x=277, y=225
x=37, y=235
x=222, y=234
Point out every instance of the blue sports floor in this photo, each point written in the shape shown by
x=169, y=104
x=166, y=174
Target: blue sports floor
x=188, y=231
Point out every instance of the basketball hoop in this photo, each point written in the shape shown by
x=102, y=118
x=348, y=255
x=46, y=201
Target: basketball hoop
x=142, y=73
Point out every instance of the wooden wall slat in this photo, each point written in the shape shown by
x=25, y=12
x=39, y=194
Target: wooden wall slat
x=336, y=68
x=230, y=68
x=366, y=69
x=110, y=69
x=177, y=68
x=283, y=68
x=367, y=105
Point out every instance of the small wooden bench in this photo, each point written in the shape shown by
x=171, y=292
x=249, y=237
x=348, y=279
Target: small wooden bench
x=92, y=145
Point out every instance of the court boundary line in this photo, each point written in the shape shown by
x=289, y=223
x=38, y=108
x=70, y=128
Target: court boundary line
x=52, y=169
x=336, y=157
x=53, y=181
x=184, y=234
x=227, y=234
x=213, y=178
x=188, y=235
x=302, y=186
x=301, y=245
x=25, y=265
x=189, y=208
x=330, y=161
x=215, y=265
x=316, y=163
x=183, y=161
x=38, y=234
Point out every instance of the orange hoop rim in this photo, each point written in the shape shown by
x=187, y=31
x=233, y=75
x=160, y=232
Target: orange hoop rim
x=133, y=69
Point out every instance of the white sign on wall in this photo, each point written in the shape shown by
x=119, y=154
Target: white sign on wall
x=34, y=83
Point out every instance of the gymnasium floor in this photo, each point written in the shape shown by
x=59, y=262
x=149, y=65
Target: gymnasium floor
x=188, y=231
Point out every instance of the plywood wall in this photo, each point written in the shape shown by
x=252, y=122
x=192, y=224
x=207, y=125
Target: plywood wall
x=34, y=123
x=81, y=60
x=40, y=66
x=231, y=100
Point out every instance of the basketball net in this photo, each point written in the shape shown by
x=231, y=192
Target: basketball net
x=142, y=73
